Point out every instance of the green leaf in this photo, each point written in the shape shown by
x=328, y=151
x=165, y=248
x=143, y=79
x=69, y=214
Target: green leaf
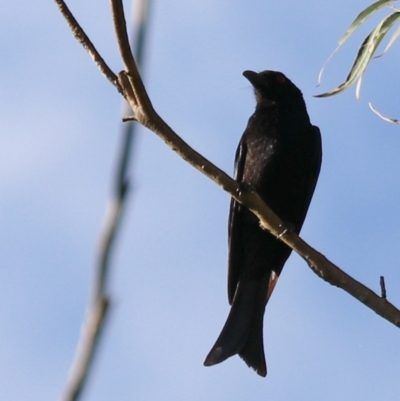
x=392, y=40
x=365, y=53
x=364, y=15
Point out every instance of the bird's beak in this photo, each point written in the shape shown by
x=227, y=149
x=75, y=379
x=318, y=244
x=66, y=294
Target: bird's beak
x=254, y=78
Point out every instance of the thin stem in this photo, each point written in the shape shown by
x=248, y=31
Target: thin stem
x=91, y=331
x=99, y=303
x=121, y=33
x=140, y=18
x=84, y=40
x=126, y=53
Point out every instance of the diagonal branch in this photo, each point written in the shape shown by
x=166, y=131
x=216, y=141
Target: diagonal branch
x=144, y=112
x=269, y=220
x=84, y=40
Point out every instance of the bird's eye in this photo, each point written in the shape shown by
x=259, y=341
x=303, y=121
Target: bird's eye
x=281, y=79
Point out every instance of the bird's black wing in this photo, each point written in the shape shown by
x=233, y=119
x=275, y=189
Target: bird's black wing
x=234, y=226
x=291, y=213
x=317, y=152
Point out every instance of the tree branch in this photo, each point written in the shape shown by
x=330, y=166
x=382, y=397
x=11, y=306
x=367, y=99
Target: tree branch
x=84, y=40
x=126, y=53
x=135, y=93
x=99, y=304
x=88, y=342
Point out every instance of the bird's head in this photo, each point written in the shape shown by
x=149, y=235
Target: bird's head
x=275, y=87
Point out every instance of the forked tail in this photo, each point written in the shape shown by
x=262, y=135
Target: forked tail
x=243, y=330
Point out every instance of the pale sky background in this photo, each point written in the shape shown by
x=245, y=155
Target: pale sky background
x=60, y=122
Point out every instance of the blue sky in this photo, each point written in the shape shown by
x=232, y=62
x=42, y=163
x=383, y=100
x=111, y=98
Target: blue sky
x=58, y=141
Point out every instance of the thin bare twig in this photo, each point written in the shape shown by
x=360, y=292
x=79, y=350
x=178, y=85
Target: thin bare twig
x=383, y=287
x=140, y=18
x=99, y=303
x=122, y=33
x=126, y=52
x=84, y=40
x=90, y=335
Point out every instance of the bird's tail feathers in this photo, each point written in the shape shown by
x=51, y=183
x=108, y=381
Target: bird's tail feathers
x=243, y=330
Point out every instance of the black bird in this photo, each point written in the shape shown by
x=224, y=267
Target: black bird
x=279, y=155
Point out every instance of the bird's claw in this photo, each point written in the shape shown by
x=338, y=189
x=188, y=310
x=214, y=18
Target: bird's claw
x=244, y=187
x=287, y=228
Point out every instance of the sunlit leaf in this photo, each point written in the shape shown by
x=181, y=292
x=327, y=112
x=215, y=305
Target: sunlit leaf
x=358, y=88
x=365, y=53
x=391, y=41
x=365, y=14
x=362, y=17
x=387, y=119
